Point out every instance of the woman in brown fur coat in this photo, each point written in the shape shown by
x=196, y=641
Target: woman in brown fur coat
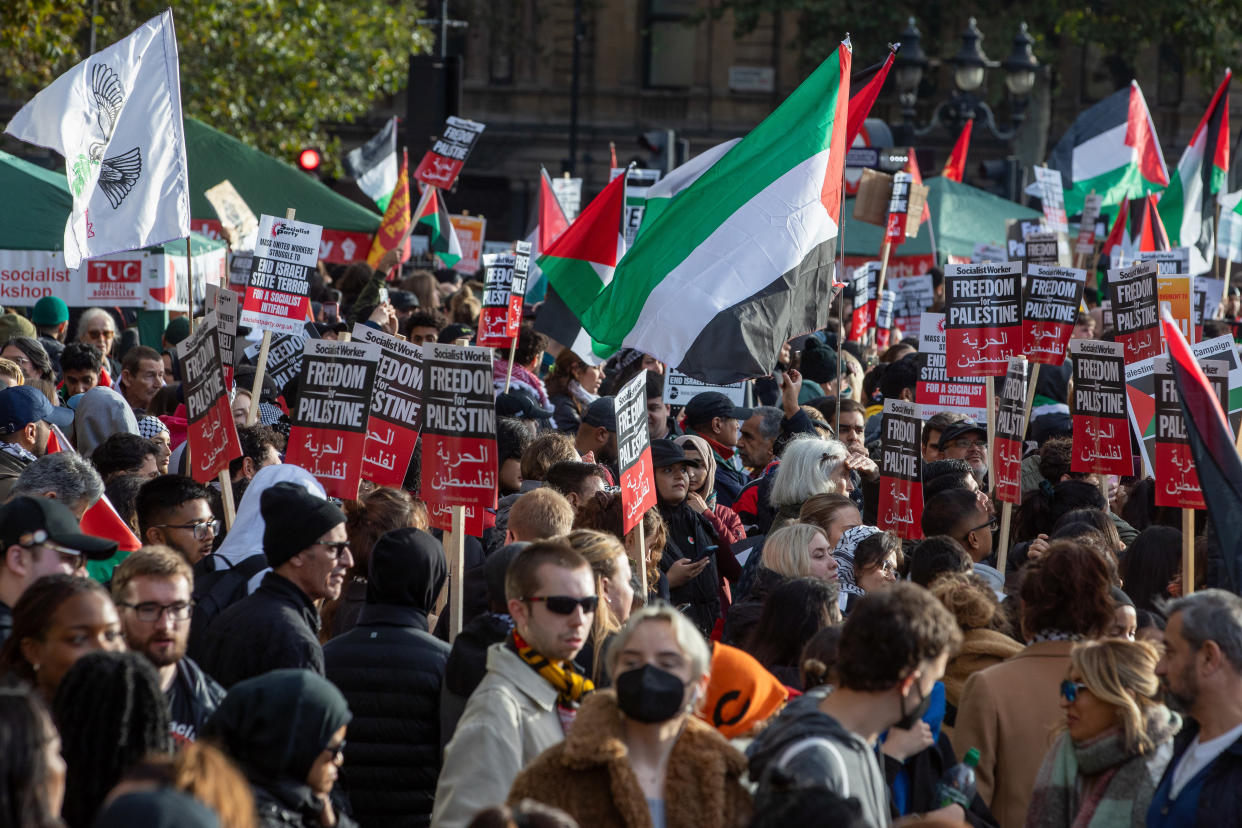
x=985, y=631
x=636, y=757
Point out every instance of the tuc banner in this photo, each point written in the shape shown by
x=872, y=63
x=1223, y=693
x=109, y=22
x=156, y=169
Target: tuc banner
x=459, y=463
x=638, y=492
x=901, y=481
x=1136, y=318
x=211, y=432
x=443, y=162
x=1177, y=482
x=1010, y=433
x=1049, y=309
x=935, y=391
x=330, y=418
x=1098, y=409
x=494, y=318
x=396, y=407
x=983, y=328
x=278, y=294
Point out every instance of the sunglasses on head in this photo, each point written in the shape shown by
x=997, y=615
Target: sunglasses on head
x=564, y=604
x=1071, y=689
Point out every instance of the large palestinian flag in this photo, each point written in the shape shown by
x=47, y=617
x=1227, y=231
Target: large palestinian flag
x=433, y=215
x=1203, y=172
x=742, y=259
x=1111, y=149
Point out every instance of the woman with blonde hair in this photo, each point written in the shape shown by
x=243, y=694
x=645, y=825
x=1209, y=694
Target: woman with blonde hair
x=985, y=632
x=800, y=550
x=610, y=566
x=809, y=466
x=832, y=513
x=572, y=385
x=1103, y=770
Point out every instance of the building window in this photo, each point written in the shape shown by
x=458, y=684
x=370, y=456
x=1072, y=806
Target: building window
x=668, y=44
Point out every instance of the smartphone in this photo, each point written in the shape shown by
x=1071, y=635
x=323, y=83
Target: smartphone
x=383, y=295
x=331, y=311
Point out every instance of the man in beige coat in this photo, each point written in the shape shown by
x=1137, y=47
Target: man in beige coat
x=530, y=693
x=1011, y=711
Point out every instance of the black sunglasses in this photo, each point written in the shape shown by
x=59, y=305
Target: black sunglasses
x=565, y=605
x=1071, y=689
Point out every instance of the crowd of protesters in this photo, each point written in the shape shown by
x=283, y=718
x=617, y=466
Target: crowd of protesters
x=788, y=663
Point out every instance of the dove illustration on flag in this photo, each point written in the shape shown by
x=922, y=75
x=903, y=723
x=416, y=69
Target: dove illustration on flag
x=116, y=118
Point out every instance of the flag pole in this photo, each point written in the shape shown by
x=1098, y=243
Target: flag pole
x=226, y=493
x=456, y=547
x=189, y=279
x=1188, y=551
x=256, y=391
x=1007, y=507
x=840, y=264
x=642, y=559
x=509, y=373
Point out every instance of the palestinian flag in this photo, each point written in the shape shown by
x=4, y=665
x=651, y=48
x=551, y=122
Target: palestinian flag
x=1112, y=149
x=956, y=165
x=1202, y=172
x=433, y=215
x=1212, y=446
x=550, y=222
x=1138, y=228
x=862, y=100
x=374, y=164
x=741, y=260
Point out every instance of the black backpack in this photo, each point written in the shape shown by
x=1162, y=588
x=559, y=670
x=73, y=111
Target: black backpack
x=214, y=591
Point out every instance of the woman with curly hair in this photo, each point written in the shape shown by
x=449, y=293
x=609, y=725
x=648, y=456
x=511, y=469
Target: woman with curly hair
x=1009, y=711
x=572, y=386
x=985, y=632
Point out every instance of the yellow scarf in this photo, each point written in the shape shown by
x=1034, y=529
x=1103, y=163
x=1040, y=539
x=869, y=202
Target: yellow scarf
x=570, y=686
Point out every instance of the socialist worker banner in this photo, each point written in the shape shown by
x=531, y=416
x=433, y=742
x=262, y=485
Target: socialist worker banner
x=459, y=462
x=1049, y=309
x=211, y=431
x=638, y=492
x=278, y=294
x=396, y=407
x=901, y=483
x=1136, y=319
x=1010, y=433
x=983, y=328
x=494, y=318
x=1177, y=482
x=1098, y=408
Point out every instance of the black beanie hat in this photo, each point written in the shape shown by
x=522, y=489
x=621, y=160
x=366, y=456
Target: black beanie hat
x=407, y=569
x=819, y=361
x=293, y=519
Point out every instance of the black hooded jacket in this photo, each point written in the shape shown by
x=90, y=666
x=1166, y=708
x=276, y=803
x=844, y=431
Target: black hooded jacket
x=691, y=536
x=390, y=670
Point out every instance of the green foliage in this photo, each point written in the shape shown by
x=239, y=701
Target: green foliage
x=273, y=73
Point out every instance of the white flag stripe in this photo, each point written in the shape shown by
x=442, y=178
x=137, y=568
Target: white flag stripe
x=1099, y=155
x=116, y=118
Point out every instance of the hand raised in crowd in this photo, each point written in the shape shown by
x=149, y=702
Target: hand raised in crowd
x=1038, y=547
x=385, y=315
x=697, y=503
x=864, y=465
x=389, y=260
x=684, y=571
x=589, y=457
x=902, y=744
x=327, y=817
x=791, y=385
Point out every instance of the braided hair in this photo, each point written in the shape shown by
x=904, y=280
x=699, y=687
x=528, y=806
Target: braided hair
x=111, y=713
x=24, y=727
x=33, y=615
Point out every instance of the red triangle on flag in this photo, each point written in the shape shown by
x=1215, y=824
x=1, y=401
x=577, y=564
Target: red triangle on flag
x=102, y=521
x=552, y=220
x=593, y=235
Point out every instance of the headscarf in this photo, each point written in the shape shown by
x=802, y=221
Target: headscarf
x=709, y=464
x=150, y=426
x=844, y=553
x=245, y=539
x=101, y=413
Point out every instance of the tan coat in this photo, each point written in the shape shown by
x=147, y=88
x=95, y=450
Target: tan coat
x=1011, y=713
x=589, y=776
x=980, y=650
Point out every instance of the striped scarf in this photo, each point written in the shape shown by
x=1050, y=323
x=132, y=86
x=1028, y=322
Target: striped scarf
x=570, y=686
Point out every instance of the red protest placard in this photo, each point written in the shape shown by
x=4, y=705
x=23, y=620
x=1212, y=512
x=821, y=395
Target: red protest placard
x=459, y=462
x=936, y=390
x=1177, y=482
x=1098, y=408
x=638, y=492
x=517, y=290
x=1136, y=319
x=227, y=305
x=278, y=293
x=448, y=154
x=330, y=418
x=860, y=291
x=983, y=328
x=1010, y=433
x=396, y=407
x=1049, y=309
x=211, y=431
x=440, y=516
x=901, y=482
x=494, y=318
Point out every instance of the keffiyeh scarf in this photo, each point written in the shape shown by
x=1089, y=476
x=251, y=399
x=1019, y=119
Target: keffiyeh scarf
x=844, y=553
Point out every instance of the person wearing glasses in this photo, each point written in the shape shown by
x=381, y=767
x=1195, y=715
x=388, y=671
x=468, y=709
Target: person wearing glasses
x=867, y=561
x=277, y=626
x=1118, y=739
x=530, y=696
x=40, y=537
x=95, y=327
x=174, y=511
x=966, y=517
x=966, y=441
x=151, y=589
x=286, y=732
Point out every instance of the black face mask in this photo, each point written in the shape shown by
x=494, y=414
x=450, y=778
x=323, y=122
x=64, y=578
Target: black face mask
x=910, y=718
x=650, y=695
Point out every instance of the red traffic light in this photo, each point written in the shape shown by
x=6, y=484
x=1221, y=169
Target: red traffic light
x=308, y=159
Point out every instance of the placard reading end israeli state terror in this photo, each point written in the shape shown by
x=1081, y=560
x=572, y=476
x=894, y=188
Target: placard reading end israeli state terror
x=278, y=294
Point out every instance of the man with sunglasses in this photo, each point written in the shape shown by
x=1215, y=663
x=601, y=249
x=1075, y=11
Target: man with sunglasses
x=530, y=695
x=277, y=626
x=40, y=537
x=151, y=589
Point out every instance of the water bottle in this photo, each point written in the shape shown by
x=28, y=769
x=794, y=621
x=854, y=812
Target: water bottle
x=958, y=783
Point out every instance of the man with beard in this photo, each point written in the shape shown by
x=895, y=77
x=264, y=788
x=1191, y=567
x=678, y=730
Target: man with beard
x=1202, y=671
x=966, y=441
x=151, y=589
x=277, y=626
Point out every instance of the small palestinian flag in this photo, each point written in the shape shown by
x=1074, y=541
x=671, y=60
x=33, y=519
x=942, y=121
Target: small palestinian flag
x=433, y=215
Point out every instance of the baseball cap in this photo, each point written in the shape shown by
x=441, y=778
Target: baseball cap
x=325, y=327
x=667, y=453
x=601, y=414
x=454, y=332
x=48, y=311
x=709, y=404
x=32, y=520
x=20, y=406
x=402, y=299
x=958, y=429
x=521, y=406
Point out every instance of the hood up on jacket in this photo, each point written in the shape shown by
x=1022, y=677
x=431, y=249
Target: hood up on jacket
x=101, y=413
x=407, y=570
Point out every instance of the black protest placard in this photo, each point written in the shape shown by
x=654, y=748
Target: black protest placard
x=1041, y=249
x=901, y=481
x=459, y=462
x=228, y=309
x=898, y=209
x=497, y=283
x=517, y=291
x=1134, y=294
x=331, y=413
x=1098, y=408
x=1010, y=433
x=638, y=492
x=983, y=326
x=1050, y=306
x=211, y=431
x=396, y=407
x=448, y=153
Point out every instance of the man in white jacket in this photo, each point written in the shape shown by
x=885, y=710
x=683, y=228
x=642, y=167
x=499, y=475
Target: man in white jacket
x=529, y=697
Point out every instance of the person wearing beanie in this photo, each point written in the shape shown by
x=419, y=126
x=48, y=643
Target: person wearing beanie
x=390, y=668
x=277, y=626
x=819, y=370
x=51, y=319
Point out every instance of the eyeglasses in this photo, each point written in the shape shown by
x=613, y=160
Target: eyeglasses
x=337, y=548
x=337, y=750
x=1071, y=689
x=968, y=444
x=203, y=529
x=888, y=568
x=991, y=524
x=149, y=612
x=104, y=334
x=564, y=604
